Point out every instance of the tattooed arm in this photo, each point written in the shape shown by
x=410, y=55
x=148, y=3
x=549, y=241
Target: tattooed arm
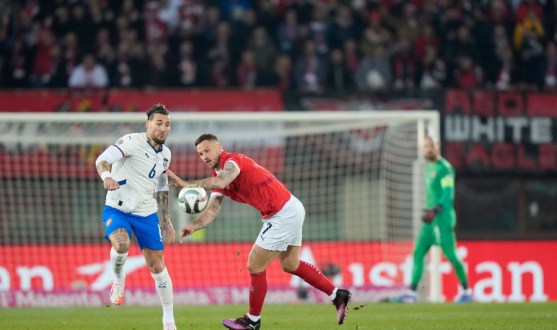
x=166, y=225
x=221, y=181
x=205, y=218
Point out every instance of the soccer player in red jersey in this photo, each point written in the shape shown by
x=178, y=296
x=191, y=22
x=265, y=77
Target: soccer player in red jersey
x=244, y=181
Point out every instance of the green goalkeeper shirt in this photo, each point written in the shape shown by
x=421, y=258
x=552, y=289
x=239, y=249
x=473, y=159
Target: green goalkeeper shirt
x=439, y=186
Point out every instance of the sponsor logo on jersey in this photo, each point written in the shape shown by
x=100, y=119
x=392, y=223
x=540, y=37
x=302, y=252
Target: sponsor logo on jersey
x=108, y=222
x=121, y=141
x=147, y=155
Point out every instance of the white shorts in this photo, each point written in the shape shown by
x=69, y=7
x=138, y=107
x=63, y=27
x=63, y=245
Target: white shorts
x=283, y=228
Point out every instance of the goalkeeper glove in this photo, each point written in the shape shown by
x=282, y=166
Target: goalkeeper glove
x=430, y=214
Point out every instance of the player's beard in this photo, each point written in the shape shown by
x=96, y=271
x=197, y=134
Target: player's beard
x=431, y=157
x=216, y=163
x=157, y=140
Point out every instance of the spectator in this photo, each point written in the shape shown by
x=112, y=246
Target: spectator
x=375, y=34
x=304, y=9
x=501, y=40
x=42, y=66
x=319, y=28
x=19, y=65
x=187, y=66
x=105, y=53
x=219, y=73
x=57, y=77
x=156, y=33
x=244, y=29
x=62, y=23
x=344, y=28
x=88, y=75
x=211, y=21
x=530, y=23
x=192, y=14
x=374, y=72
x=468, y=74
x=351, y=56
x=83, y=27
x=283, y=72
x=404, y=66
x=263, y=51
x=463, y=45
x=233, y=10
x=550, y=67
x=127, y=69
x=247, y=71
x=505, y=73
x=426, y=38
x=169, y=13
x=340, y=79
x=531, y=56
x=71, y=51
x=287, y=32
x=409, y=25
x=432, y=71
x=525, y=7
x=310, y=71
x=160, y=74
x=222, y=45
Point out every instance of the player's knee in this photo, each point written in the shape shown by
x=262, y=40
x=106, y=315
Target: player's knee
x=155, y=264
x=254, y=268
x=121, y=247
x=289, y=267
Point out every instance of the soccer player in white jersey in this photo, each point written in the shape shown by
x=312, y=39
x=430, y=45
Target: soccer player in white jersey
x=139, y=163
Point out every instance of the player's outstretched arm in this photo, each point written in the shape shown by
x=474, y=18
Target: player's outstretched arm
x=108, y=157
x=205, y=218
x=221, y=181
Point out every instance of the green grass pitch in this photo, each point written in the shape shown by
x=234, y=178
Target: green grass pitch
x=286, y=317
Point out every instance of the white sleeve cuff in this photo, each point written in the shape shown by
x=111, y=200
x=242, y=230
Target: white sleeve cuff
x=111, y=155
x=216, y=193
x=162, y=183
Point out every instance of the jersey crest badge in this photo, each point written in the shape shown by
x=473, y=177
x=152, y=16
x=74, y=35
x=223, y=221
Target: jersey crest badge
x=164, y=162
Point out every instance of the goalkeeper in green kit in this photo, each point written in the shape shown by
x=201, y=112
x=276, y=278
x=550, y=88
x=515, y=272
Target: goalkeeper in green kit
x=439, y=184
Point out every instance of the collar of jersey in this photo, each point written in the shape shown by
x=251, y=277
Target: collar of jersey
x=156, y=151
x=223, y=157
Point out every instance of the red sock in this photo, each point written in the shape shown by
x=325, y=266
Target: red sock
x=258, y=290
x=314, y=277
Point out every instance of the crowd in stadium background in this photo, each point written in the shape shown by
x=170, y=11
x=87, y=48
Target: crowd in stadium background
x=307, y=46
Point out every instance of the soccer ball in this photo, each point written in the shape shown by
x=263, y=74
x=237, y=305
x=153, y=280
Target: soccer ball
x=193, y=199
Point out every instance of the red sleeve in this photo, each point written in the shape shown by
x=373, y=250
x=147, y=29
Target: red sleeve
x=237, y=160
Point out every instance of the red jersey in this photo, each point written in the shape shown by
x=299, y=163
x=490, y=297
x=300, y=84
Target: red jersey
x=255, y=185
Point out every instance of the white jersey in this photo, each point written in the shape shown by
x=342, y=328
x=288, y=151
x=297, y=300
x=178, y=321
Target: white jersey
x=137, y=173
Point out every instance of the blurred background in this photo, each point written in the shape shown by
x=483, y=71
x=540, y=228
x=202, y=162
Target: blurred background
x=489, y=68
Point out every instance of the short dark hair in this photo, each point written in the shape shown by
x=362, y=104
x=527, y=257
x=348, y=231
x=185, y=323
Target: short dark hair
x=157, y=108
x=206, y=137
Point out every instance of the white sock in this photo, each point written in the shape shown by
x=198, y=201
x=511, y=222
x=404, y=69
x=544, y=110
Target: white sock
x=117, y=261
x=163, y=284
x=334, y=294
x=254, y=318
